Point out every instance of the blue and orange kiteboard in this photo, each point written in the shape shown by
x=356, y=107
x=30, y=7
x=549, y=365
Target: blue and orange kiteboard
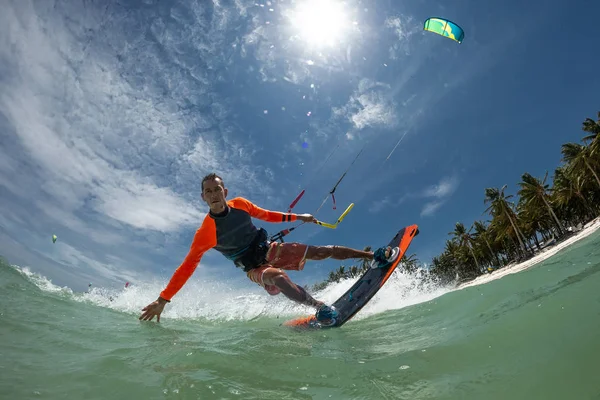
x=365, y=288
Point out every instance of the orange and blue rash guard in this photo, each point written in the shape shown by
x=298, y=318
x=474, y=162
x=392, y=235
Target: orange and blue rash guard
x=229, y=233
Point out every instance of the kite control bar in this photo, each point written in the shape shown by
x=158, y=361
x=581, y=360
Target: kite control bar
x=280, y=235
x=340, y=219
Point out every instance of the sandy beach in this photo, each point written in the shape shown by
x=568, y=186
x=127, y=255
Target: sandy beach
x=546, y=253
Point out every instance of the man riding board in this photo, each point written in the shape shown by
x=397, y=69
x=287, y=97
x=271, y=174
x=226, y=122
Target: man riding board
x=228, y=228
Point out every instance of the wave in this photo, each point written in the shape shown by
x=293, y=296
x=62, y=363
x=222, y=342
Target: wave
x=218, y=301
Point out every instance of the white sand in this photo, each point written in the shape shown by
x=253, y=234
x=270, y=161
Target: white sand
x=546, y=253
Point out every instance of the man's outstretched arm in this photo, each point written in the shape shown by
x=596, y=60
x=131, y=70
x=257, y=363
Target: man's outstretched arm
x=204, y=239
x=270, y=216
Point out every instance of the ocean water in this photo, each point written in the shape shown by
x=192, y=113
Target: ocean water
x=531, y=335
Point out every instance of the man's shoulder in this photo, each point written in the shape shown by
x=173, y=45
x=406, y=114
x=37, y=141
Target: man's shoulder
x=207, y=228
x=237, y=201
x=207, y=220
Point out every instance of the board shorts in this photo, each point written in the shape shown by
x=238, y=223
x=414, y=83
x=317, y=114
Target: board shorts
x=288, y=256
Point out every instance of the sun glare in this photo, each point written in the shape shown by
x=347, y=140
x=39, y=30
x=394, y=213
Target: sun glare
x=320, y=22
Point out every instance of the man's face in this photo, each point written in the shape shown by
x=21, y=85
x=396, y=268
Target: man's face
x=214, y=195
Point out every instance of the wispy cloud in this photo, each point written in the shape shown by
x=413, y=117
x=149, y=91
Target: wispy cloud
x=389, y=202
x=443, y=189
x=403, y=27
x=431, y=207
x=438, y=194
x=433, y=197
x=79, y=160
x=379, y=205
x=369, y=106
x=109, y=136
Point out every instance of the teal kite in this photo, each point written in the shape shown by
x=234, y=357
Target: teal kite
x=54, y=238
x=445, y=28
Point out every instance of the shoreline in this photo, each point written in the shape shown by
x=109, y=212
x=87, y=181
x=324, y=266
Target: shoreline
x=543, y=255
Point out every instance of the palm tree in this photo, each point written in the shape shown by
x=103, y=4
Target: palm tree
x=533, y=220
x=569, y=190
x=593, y=127
x=365, y=264
x=410, y=262
x=579, y=159
x=464, y=238
x=451, y=255
x=333, y=277
x=441, y=268
x=481, y=232
x=534, y=193
x=499, y=206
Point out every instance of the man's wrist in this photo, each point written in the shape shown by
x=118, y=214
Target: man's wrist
x=163, y=301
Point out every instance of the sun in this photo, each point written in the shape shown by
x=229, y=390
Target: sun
x=320, y=22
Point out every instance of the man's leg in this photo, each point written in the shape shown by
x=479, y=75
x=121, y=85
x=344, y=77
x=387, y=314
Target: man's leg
x=325, y=315
x=336, y=252
x=276, y=277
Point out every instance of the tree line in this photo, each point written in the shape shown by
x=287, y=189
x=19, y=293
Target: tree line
x=519, y=226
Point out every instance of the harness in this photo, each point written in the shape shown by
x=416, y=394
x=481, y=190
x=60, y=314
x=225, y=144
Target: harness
x=255, y=254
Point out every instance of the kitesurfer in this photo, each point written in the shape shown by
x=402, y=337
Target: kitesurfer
x=228, y=228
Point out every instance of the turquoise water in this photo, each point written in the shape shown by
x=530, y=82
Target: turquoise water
x=531, y=335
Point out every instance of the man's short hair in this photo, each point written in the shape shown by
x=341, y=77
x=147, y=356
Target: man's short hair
x=211, y=177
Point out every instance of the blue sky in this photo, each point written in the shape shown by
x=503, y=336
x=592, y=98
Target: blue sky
x=111, y=113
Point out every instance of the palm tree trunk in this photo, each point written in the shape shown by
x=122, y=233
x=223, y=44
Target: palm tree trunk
x=474, y=257
x=561, y=228
x=592, y=171
x=494, y=255
x=512, y=251
x=517, y=232
x=537, y=243
x=589, y=208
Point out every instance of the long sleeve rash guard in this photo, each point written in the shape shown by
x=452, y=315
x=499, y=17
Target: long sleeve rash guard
x=228, y=234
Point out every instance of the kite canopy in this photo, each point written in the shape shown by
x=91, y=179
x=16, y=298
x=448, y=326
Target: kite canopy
x=54, y=238
x=445, y=28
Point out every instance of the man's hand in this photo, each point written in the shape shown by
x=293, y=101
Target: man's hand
x=153, y=309
x=306, y=218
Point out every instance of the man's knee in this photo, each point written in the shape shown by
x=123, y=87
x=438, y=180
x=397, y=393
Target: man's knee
x=280, y=279
x=274, y=276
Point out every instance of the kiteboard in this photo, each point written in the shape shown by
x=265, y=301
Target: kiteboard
x=365, y=288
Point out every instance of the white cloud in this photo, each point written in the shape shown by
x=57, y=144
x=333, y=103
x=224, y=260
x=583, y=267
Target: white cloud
x=108, y=124
x=446, y=187
x=372, y=110
x=75, y=164
x=369, y=106
x=430, y=208
x=440, y=192
x=146, y=206
x=379, y=205
x=434, y=197
x=403, y=27
x=92, y=132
